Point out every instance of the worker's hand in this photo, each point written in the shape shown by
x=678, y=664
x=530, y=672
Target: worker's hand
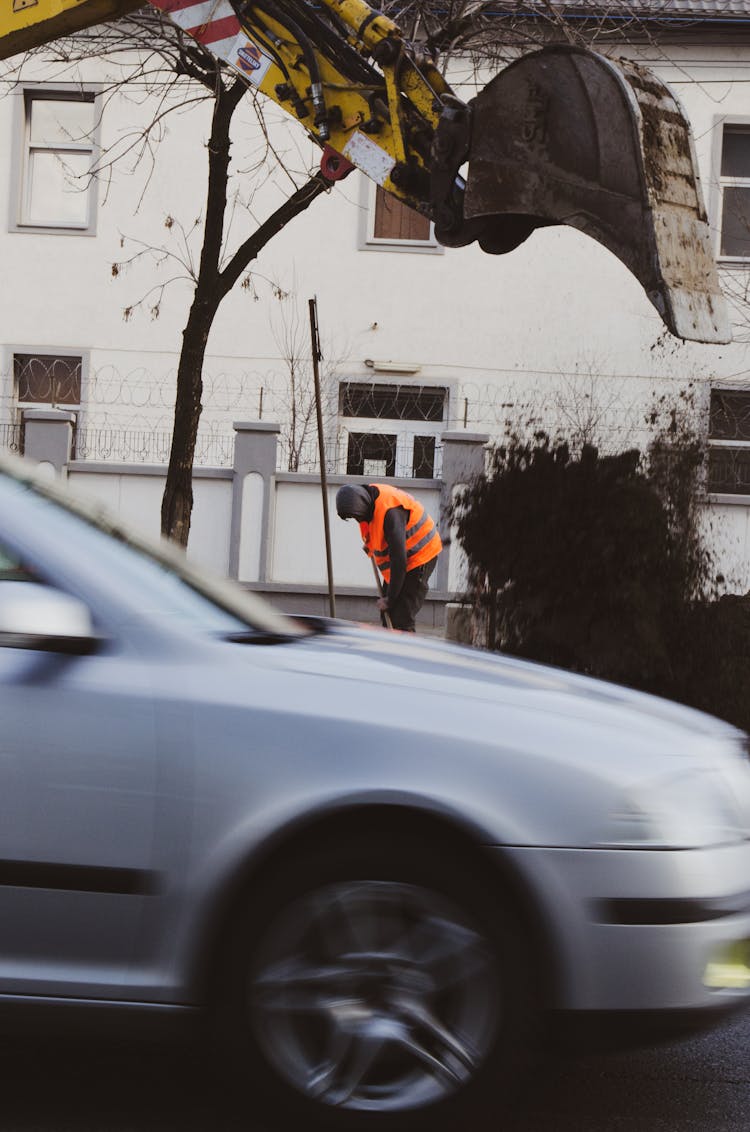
x=383, y=604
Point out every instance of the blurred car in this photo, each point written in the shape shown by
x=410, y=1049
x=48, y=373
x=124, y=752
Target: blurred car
x=382, y=868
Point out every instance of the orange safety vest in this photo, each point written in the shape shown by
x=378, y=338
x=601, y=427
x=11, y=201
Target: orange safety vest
x=422, y=538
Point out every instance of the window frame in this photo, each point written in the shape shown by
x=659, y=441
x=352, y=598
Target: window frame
x=720, y=183
x=404, y=429
x=368, y=241
x=19, y=407
x=26, y=94
x=715, y=444
x=53, y=352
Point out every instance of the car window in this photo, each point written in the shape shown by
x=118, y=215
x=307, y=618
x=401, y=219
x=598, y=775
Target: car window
x=164, y=585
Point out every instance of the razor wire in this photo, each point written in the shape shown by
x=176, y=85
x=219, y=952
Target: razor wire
x=372, y=426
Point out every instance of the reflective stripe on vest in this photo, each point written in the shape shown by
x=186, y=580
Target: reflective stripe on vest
x=422, y=538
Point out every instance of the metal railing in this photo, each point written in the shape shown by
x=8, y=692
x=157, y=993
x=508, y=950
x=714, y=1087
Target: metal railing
x=149, y=447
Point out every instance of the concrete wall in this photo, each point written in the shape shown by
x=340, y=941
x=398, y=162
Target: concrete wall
x=134, y=493
x=297, y=547
x=262, y=527
x=266, y=528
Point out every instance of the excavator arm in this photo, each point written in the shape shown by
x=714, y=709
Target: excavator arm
x=561, y=136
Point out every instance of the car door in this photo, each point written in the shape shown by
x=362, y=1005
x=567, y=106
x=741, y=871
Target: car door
x=78, y=789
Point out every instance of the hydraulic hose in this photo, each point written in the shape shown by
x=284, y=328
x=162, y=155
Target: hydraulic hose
x=280, y=14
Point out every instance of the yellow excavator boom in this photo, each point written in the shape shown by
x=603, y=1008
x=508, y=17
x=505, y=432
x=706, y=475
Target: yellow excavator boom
x=562, y=136
x=29, y=23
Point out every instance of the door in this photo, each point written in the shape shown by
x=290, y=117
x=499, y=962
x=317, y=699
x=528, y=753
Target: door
x=78, y=789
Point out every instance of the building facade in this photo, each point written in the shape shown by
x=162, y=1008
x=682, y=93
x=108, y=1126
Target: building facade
x=103, y=203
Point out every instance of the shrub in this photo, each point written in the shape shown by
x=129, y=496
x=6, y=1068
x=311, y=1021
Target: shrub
x=596, y=563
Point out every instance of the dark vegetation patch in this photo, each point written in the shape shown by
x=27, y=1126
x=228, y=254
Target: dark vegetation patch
x=597, y=564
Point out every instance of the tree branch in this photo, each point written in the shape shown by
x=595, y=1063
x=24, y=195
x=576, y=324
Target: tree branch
x=254, y=244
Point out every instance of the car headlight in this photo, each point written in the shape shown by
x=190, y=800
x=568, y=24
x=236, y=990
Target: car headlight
x=694, y=809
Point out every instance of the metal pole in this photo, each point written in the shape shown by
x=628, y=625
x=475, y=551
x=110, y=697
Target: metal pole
x=316, y=356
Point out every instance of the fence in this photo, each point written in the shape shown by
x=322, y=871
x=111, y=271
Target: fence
x=250, y=521
x=149, y=447
x=263, y=525
x=130, y=446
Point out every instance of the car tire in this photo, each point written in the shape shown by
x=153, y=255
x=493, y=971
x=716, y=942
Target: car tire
x=377, y=986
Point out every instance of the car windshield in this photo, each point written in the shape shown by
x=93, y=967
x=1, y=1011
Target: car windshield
x=168, y=587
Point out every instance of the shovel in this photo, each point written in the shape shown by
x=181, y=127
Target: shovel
x=385, y=614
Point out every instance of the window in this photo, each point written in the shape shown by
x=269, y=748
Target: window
x=58, y=150
x=371, y=454
x=52, y=380
x=398, y=402
x=392, y=430
x=394, y=220
x=734, y=182
x=729, y=442
x=392, y=225
x=46, y=381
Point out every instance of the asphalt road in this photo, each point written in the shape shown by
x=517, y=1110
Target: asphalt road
x=702, y=1085
x=697, y=1086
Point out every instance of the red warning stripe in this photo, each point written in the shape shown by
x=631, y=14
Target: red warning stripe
x=216, y=30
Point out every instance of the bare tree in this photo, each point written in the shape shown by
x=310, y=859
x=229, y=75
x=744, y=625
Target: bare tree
x=177, y=72
x=212, y=284
x=156, y=54
x=294, y=400
x=491, y=34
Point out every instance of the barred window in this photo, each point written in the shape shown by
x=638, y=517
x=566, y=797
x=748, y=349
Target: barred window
x=734, y=184
x=58, y=149
x=729, y=442
x=423, y=464
x=371, y=454
x=47, y=379
x=395, y=402
x=409, y=446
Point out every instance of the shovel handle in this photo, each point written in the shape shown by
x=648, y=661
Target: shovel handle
x=379, y=584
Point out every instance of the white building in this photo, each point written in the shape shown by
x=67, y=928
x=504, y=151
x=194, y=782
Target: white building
x=420, y=341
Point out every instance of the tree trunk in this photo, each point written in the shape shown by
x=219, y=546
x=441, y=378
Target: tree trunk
x=177, y=501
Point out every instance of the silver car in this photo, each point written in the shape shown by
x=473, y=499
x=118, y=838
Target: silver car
x=381, y=869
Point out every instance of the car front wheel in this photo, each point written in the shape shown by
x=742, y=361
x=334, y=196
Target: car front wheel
x=379, y=989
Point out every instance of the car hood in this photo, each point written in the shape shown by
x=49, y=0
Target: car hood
x=535, y=755
x=453, y=675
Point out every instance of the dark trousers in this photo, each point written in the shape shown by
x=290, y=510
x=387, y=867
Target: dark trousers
x=407, y=605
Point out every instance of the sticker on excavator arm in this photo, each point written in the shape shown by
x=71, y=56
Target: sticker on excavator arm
x=247, y=58
x=368, y=156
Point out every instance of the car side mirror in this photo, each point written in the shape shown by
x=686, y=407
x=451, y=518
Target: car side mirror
x=39, y=617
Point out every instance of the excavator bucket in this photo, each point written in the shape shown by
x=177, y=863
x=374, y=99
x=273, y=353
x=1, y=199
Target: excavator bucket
x=566, y=136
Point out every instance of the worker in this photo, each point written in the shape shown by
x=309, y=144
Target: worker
x=402, y=540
